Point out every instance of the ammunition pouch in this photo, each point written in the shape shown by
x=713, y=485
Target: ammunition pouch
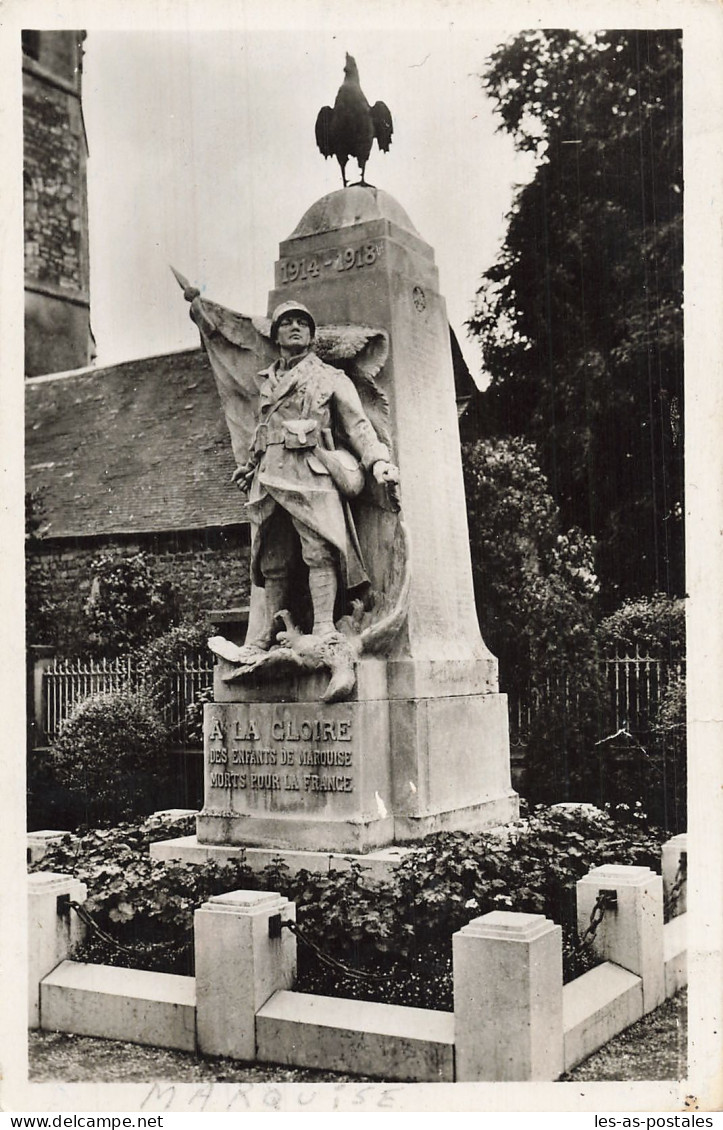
x=344, y=468
x=295, y=435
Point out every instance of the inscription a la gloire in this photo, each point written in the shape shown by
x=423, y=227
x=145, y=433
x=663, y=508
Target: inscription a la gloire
x=224, y=759
x=318, y=729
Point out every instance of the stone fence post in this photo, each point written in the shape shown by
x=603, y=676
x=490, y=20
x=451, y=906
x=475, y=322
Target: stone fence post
x=40, y=658
x=507, y=970
x=239, y=965
x=674, y=857
x=54, y=930
x=39, y=843
x=631, y=932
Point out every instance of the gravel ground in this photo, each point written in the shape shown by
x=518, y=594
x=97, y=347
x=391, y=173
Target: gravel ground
x=654, y=1048
x=83, y=1059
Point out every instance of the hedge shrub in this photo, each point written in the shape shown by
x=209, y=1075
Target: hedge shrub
x=112, y=757
x=654, y=624
x=649, y=767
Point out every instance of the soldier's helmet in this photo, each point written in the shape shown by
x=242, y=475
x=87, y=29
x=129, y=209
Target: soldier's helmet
x=291, y=307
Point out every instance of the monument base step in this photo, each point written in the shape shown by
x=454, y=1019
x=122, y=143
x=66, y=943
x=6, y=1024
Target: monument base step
x=186, y=849
x=379, y=863
x=276, y=832
x=493, y=812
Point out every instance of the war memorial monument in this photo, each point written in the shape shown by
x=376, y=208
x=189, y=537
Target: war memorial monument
x=356, y=709
x=361, y=707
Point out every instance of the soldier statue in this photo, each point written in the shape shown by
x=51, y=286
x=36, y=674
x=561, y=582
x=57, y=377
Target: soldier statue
x=311, y=447
x=299, y=473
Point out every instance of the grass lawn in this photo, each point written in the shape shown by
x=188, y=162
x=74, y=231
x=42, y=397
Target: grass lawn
x=654, y=1048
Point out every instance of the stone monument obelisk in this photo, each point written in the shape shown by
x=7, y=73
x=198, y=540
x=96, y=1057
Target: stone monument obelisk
x=421, y=742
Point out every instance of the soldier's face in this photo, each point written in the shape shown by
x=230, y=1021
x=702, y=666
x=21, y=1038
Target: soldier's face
x=293, y=334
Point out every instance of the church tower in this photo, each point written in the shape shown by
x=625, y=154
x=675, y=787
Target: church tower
x=57, y=292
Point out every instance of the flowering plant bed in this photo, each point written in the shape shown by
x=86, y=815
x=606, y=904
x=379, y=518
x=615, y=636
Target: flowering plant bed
x=399, y=929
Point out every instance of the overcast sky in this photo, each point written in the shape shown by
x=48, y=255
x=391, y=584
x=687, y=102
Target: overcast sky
x=202, y=154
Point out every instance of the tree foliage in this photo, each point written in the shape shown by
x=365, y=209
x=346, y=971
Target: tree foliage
x=581, y=317
x=535, y=588
x=534, y=583
x=128, y=605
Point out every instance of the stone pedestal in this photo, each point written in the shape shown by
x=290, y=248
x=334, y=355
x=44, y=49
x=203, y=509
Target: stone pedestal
x=298, y=774
x=423, y=744
x=631, y=932
x=54, y=931
x=239, y=965
x=674, y=865
x=508, y=998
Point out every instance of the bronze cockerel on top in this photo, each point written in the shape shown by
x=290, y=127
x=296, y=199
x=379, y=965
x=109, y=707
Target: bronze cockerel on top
x=350, y=128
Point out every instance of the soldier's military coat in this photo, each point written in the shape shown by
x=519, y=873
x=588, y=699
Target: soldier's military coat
x=304, y=406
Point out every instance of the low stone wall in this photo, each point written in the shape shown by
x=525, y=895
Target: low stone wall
x=597, y=1006
x=414, y=1045
x=207, y=568
x=513, y=1019
x=157, y=1009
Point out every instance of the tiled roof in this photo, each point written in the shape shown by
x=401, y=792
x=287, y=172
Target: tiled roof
x=136, y=447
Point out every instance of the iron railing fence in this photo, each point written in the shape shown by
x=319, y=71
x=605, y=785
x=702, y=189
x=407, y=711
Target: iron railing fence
x=66, y=682
x=636, y=684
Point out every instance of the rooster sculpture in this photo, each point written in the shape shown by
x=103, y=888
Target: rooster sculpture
x=348, y=130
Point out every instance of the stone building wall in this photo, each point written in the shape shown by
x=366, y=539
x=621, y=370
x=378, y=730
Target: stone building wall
x=208, y=568
x=57, y=319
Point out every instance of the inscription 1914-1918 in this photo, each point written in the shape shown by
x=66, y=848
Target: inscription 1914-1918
x=333, y=259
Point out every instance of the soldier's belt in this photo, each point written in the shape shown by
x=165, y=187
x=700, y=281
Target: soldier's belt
x=293, y=434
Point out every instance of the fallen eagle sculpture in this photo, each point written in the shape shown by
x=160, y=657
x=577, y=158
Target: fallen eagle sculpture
x=356, y=636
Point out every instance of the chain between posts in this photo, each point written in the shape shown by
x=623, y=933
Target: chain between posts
x=606, y=900
x=91, y=923
x=275, y=928
x=681, y=877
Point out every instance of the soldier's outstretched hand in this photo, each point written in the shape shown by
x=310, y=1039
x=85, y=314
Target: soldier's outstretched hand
x=385, y=472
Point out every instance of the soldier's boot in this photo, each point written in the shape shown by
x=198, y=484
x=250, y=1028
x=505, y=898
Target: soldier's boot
x=275, y=592
x=322, y=586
